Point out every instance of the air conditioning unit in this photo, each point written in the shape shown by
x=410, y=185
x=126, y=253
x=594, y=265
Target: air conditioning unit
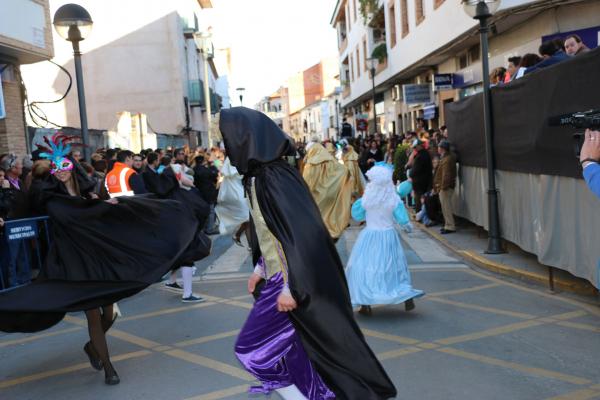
x=397, y=93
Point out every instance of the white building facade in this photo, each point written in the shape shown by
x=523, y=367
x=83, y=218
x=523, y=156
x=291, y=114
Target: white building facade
x=417, y=39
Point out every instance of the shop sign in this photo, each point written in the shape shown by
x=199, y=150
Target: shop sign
x=417, y=93
x=443, y=81
x=429, y=112
x=362, y=125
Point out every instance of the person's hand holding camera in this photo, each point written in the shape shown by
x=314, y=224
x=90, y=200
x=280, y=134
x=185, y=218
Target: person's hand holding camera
x=590, y=151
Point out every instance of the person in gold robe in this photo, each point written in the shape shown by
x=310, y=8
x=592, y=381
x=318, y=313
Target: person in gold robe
x=331, y=186
x=330, y=148
x=350, y=159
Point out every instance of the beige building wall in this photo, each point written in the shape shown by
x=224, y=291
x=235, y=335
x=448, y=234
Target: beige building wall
x=295, y=86
x=331, y=72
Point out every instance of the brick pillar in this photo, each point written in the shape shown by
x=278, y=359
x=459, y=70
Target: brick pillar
x=12, y=128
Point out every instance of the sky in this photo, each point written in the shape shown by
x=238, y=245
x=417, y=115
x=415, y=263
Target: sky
x=271, y=40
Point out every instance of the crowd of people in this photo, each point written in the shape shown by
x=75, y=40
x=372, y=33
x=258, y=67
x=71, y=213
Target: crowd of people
x=197, y=171
x=125, y=220
x=424, y=157
x=551, y=52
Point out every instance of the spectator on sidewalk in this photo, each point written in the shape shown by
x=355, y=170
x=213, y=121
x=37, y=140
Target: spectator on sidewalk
x=205, y=180
x=370, y=156
x=12, y=254
x=76, y=155
x=552, y=53
x=590, y=159
x=421, y=172
x=444, y=182
x=138, y=163
x=497, y=76
x=574, y=46
x=528, y=60
x=513, y=68
x=347, y=131
x=122, y=180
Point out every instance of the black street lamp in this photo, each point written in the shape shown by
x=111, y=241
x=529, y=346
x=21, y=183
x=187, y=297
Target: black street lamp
x=241, y=91
x=372, y=65
x=73, y=23
x=482, y=10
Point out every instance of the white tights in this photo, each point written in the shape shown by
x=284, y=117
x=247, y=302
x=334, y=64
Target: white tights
x=186, y=276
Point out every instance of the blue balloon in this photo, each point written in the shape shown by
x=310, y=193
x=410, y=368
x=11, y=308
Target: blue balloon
x=405, y=188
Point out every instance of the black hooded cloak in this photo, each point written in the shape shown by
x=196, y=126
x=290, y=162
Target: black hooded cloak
x=100, y=253
x=324, y=318
x=166, y=186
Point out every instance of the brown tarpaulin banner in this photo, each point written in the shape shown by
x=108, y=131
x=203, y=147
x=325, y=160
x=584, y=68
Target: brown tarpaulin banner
x=524, y=141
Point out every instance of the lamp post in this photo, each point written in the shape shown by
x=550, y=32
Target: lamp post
x=372, y=65
x=482, y=10
x=204, y=43
x=73, y=23
x=241, y=91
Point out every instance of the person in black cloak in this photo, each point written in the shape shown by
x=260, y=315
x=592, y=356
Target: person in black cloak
x=101, y=252
x=291, y=340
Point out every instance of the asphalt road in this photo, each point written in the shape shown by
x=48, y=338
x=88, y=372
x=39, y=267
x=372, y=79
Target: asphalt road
x=472, y=337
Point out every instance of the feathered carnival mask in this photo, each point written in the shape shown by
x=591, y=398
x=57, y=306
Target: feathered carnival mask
x=57, y=149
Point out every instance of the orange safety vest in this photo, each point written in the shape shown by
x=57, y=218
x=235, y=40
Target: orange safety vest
x=117, y=180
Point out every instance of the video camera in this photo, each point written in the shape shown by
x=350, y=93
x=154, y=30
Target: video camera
x=579, y=121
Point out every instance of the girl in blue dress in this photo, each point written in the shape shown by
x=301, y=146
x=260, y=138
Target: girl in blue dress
x=377, y=271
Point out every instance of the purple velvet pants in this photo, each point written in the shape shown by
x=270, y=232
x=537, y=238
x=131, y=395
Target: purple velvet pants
x=270, y=349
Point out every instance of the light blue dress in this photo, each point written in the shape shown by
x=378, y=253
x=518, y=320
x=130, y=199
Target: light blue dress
x=377, y=270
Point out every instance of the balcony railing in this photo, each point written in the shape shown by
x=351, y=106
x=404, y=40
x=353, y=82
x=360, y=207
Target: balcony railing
x=381, y=66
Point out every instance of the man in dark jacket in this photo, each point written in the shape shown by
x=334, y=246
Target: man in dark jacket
x=444, y=182
x=154, y=182
x=421, y=172
x=347, y=131
x=551, y=54
x=205, y=179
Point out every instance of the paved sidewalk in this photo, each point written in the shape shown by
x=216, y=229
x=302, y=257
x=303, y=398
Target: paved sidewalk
x=472, y=337
x=470, y=242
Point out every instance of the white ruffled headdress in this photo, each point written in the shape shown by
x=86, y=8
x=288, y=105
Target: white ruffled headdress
x=380, y=191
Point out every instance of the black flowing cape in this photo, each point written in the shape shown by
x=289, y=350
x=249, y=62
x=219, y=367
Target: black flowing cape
x=166, y=186
x=100, y=253
x=324, y=318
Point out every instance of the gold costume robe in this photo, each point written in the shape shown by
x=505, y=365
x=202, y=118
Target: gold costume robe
x=350, y=159
x=331, y=185
x=330, y=148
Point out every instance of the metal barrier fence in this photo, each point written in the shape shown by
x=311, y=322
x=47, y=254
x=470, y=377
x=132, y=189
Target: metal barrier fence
x=23, y=242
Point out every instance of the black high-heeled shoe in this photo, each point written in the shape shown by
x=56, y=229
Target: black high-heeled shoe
x=409, y=305
x=95, y=362
x=112, y=378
